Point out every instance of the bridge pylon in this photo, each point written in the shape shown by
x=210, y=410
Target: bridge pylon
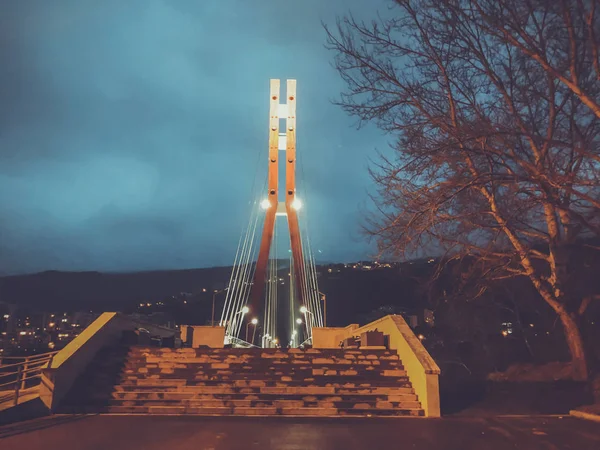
x=280, y=141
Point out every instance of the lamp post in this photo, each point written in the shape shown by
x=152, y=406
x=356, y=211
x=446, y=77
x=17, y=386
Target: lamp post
x=253, y=322
x=304, y=310
x=324, y=298
x=233, y=324
x=212, y=317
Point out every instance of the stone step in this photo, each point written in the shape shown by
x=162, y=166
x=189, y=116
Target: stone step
x=254, y=351
x=279, y=403
x=244, y=411
x=315, y=381
x=259, y=364
x=265, y=356
x=261, y=383
x=266, y=382
x=179, y=396
x=342, y=403
x=255, y=369
x=262, y=365
x=281, y=390
x=372, y=372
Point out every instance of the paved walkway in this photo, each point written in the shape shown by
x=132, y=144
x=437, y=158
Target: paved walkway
x=183, y=433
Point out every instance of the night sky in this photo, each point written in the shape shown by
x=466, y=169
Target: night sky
x=130, y=130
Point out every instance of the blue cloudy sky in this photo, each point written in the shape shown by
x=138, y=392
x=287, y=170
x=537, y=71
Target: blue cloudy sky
x=130, y=130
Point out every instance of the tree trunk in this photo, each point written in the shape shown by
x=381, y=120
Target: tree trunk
x=574, y=339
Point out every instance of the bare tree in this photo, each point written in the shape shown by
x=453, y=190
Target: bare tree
x=563, y=37
x=495, y=157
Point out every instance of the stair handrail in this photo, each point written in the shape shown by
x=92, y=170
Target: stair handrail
x=23, y=373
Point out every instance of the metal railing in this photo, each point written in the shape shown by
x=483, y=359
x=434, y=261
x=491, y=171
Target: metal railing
x=24, y=373
x=306, y=342
x=239, y=343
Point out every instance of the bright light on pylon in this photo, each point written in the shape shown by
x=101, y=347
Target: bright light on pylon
x=296, y=204
x=303, y=309
x=245, y=310
x=254, y=321
x=265, y=204
x=299, y=321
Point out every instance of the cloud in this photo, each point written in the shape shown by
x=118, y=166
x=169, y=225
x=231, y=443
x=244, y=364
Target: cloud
x=130, y=131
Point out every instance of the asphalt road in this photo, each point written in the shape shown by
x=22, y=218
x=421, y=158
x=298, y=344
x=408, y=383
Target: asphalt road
x=183, y=433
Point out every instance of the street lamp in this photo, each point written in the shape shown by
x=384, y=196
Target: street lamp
x=324, y=298
x=296, y=204
x=215, y=292
x=233, y=324
x=253, y=322
x=304, y=310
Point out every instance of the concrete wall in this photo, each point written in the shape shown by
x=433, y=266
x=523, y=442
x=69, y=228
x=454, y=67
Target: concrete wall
x=72, y=360
x=419, y=365
x=330, y=337
x=68, y=364
x=213, y=337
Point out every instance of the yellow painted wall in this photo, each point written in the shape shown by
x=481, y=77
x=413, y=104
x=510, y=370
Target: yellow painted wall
x=422, y=370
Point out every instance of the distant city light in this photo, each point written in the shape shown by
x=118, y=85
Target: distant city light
x=6, y=316
x=421, y=337
x=23, y=333
x=504, y=333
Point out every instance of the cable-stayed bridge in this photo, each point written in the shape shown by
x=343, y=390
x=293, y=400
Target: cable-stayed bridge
x=120, y=364
x=255, y=295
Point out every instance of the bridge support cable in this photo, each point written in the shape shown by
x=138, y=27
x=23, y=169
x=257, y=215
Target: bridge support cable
x=276, y=291
x=270, y=315
x=293, y=329
x=244, y=289
x=311, y=256
x=303, y=277
x=314, y=288
x=248, y=274
x=238, y=291
x=236, y=273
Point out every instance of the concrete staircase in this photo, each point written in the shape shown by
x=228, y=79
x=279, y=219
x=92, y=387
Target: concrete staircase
x=269, y=382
